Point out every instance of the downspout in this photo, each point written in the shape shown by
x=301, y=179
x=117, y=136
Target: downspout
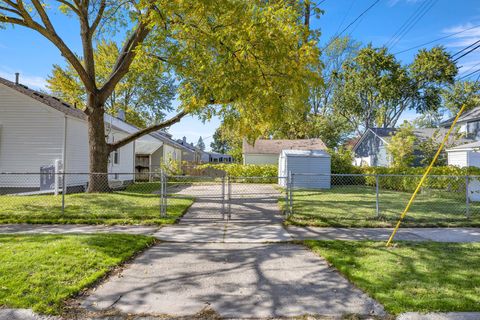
x=64, y=162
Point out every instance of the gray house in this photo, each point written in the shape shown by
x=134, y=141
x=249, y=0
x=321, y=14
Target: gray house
x=371, y=148
x=468, y=123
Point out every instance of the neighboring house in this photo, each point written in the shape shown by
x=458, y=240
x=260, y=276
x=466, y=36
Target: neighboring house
x=215, y=157
x=158, y=151
x=268, y=151
x=190, y=154
x=468, y=123
x=371, y=148
x=38, y=131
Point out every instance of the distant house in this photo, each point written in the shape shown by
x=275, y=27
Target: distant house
x=468, y=123
x=371, y=148
x=191, y=154
x=39, y=131
x=159, y=150
x=268, y=151
x=197, y=156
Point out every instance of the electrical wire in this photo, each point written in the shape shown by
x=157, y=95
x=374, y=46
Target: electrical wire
x=412, y=24
x=466, y=53
x=438, y=39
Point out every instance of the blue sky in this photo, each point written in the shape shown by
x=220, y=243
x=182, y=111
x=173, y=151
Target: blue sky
x=26, y=52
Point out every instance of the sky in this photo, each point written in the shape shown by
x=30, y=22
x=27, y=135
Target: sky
x=26, y=52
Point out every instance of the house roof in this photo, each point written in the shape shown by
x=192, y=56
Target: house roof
x=422, y=134
x=46, y=99
x=468, y=116
x=262, y=146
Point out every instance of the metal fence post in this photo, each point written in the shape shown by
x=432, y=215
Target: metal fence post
x=467, y=197
x=291, y=191
x=161, y=193
x=165, y=194
x=229, y=195
x=287, y=198
x=377, y=203
x=223, y=197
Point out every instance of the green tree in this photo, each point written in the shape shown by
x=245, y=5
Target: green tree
x=257, y=57
x=200, y=144
x=401, y=148
x=145, y=93
x=376, y=89
x=460, y=93
x=219, y=143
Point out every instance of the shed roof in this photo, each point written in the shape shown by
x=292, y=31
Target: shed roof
x=467, y=116
x=466, y=146
x=306, y=153
x=263, y=146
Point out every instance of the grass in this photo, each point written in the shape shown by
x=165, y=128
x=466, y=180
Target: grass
x=135, y=205
x=354, y=206
x=413, y=276
x=42, y=271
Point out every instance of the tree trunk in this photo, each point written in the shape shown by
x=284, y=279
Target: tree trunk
x=99, y=152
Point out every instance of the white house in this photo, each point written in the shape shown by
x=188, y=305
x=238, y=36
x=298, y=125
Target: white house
x=39, y=131
x=268, y=151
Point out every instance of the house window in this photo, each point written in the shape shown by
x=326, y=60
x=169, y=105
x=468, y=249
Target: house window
x=116, y=157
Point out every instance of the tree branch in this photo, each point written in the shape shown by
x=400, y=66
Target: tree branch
x=99, y=16
x=141, y=133
x=125, y=59
x=71, y=6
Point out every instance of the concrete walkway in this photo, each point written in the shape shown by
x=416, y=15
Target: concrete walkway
x=224, y=263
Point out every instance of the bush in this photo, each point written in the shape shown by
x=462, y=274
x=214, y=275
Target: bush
x=407, y=179
x=342, y=162
x=244, y=170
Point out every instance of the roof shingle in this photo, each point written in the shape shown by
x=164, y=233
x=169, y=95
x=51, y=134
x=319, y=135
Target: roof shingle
x=262, y=146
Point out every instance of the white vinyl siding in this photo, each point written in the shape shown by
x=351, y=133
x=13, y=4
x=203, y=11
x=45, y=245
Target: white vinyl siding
x=457, y=158
x=31, y=137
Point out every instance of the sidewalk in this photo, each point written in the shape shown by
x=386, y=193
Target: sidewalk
x=247, y=231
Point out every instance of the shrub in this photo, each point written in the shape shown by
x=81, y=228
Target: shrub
x=244, y=170
x=342, y=161
x=407, y=179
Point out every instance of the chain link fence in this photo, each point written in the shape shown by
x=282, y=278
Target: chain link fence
x=363, y=200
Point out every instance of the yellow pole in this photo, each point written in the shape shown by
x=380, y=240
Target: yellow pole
x=412, y=198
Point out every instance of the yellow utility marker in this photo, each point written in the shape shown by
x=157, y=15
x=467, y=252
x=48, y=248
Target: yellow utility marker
x=412, y=198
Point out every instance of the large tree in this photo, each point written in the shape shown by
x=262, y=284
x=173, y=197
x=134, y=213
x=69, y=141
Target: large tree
x=257, y=57
x=376, y=89
x=145, y=93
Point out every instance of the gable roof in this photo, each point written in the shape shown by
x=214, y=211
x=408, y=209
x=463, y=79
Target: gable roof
x=263, y=146
x=422, y=134
x=468, y=116
x=466, y=146
x=46, y=99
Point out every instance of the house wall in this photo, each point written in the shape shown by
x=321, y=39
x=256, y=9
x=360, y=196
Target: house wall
x=260, y=158
x=170, y=152
x=375, y=148
x=31, y=136
x=125, y=168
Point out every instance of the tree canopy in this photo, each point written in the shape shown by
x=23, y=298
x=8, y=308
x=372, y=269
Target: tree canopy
x=145, y=93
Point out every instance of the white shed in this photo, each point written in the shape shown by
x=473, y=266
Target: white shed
x=310, y=168
x=467, y=155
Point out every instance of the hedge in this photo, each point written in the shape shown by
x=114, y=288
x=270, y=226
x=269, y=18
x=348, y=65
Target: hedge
x=244, y=170
x=448, y=178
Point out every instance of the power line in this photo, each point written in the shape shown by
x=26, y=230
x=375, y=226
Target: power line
x=469, y=46
x=467, y=53
x=438, y=39
x=361, y=14
x=351, y=23
x=409, y=26
x=468, y=75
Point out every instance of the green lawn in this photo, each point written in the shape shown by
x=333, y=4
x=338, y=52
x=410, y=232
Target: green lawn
x=135, y=205
x=42, y=271
x=412, y=276
x=354, y=206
